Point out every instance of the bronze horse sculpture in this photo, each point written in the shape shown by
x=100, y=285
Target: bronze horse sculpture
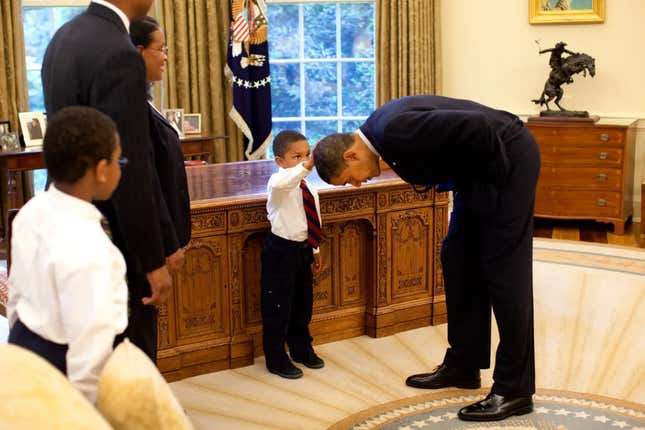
x=574, y=63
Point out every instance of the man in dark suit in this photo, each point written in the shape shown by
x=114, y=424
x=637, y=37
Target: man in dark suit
x=92, y=62
x=492, y=163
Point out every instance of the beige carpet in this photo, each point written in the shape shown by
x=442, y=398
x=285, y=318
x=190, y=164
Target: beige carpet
x=590, y=313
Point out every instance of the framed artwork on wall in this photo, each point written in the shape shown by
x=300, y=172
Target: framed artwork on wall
x=33, y=125
x=566, y=11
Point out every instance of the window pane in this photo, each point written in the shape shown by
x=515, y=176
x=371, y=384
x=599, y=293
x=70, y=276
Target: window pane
x=37, y=25
x=316, y=130
x=284, y=37
x=320, y=30
x=352, y=125
x=357, y=30
x=64, y=14
x=40, y=180
x=35, y=91
x=320, y=88
x=358, y=88
x=279, y=126
x=285, y=89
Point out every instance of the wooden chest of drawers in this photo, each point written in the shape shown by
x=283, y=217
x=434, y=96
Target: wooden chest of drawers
x=587, y=171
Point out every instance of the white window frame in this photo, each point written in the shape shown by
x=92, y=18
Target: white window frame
x=301, y=61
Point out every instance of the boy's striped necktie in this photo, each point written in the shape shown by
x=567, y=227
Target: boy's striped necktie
x=313, y=223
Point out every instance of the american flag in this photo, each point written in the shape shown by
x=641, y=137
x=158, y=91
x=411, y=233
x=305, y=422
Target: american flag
x=241, y=29
x=248, y=70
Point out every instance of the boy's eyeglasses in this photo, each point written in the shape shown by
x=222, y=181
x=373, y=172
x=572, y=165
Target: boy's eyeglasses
x=123, y=162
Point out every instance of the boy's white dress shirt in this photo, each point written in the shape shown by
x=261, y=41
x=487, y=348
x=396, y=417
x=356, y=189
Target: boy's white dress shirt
x=286, y=211
x=67, y=282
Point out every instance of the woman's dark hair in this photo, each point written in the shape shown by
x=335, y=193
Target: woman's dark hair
x=77, y=138
x=141, y=30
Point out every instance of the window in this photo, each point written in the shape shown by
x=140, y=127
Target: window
x=41, y=19
x=322, y=65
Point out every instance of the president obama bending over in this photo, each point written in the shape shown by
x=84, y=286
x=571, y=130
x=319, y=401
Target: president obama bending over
x=491, y=162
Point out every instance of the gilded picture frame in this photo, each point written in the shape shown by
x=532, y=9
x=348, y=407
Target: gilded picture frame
x=566, y=11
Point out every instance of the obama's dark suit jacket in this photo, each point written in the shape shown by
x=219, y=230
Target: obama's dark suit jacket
x=91, y=61
x=492, y=163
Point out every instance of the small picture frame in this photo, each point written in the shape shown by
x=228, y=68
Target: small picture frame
x=176, y=118
x=33, y=125
x=10, y=141
x=5, y=127
x=193, y=123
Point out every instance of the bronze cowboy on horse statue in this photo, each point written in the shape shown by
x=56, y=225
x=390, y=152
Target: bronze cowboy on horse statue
x=562, y=70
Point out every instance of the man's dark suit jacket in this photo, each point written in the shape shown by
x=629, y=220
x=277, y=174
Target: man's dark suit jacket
x=429, y=140
x=169, y=162
x=92, y=62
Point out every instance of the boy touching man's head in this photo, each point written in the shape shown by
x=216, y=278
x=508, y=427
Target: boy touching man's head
x=290, y=256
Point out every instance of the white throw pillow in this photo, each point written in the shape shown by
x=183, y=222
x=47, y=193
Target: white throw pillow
x=133, y=395
x=35, y=395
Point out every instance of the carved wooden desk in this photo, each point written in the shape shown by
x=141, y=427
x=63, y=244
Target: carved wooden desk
x=381, y=268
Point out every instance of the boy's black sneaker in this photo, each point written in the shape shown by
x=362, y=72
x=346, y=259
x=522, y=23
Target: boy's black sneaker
x=309, y=359
x=288, y=371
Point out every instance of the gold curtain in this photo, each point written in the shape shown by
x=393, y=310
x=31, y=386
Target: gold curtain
x=13, y=87
x=197, y=33
x=408, y=57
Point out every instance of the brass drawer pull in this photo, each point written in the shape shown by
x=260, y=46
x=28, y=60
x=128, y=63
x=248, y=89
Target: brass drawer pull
x=604, y=137
x=602, y=176
x=601, y=202
x=603, y=155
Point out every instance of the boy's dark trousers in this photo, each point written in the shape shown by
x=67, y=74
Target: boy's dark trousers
x=55, y=353
x=286, y=299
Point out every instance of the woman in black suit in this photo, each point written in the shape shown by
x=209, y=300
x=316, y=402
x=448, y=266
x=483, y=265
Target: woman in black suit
x=147, y=36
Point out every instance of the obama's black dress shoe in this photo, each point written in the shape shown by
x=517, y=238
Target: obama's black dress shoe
x=443, y=376
x=309, y=359
x=495, y=407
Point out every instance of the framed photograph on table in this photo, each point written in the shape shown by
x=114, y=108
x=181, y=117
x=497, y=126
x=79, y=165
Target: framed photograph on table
x=33, y=125
x=5, y=127
x=176, y=118
x=566, y=11
x=193, y=123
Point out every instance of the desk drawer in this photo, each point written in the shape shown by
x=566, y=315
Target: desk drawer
x=582, y=204
x=583, y=135
x=590, y=178
x=581, y=155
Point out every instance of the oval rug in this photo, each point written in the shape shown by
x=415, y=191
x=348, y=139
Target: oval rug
x=553, y=410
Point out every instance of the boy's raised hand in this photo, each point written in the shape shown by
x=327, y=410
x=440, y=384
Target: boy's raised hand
x=309, y=162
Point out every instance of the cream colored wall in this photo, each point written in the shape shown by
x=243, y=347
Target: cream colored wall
x=489, y=55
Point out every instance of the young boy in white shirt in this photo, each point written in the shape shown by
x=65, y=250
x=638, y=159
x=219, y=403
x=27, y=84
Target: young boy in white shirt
x=289, y=252
x=67, y=291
